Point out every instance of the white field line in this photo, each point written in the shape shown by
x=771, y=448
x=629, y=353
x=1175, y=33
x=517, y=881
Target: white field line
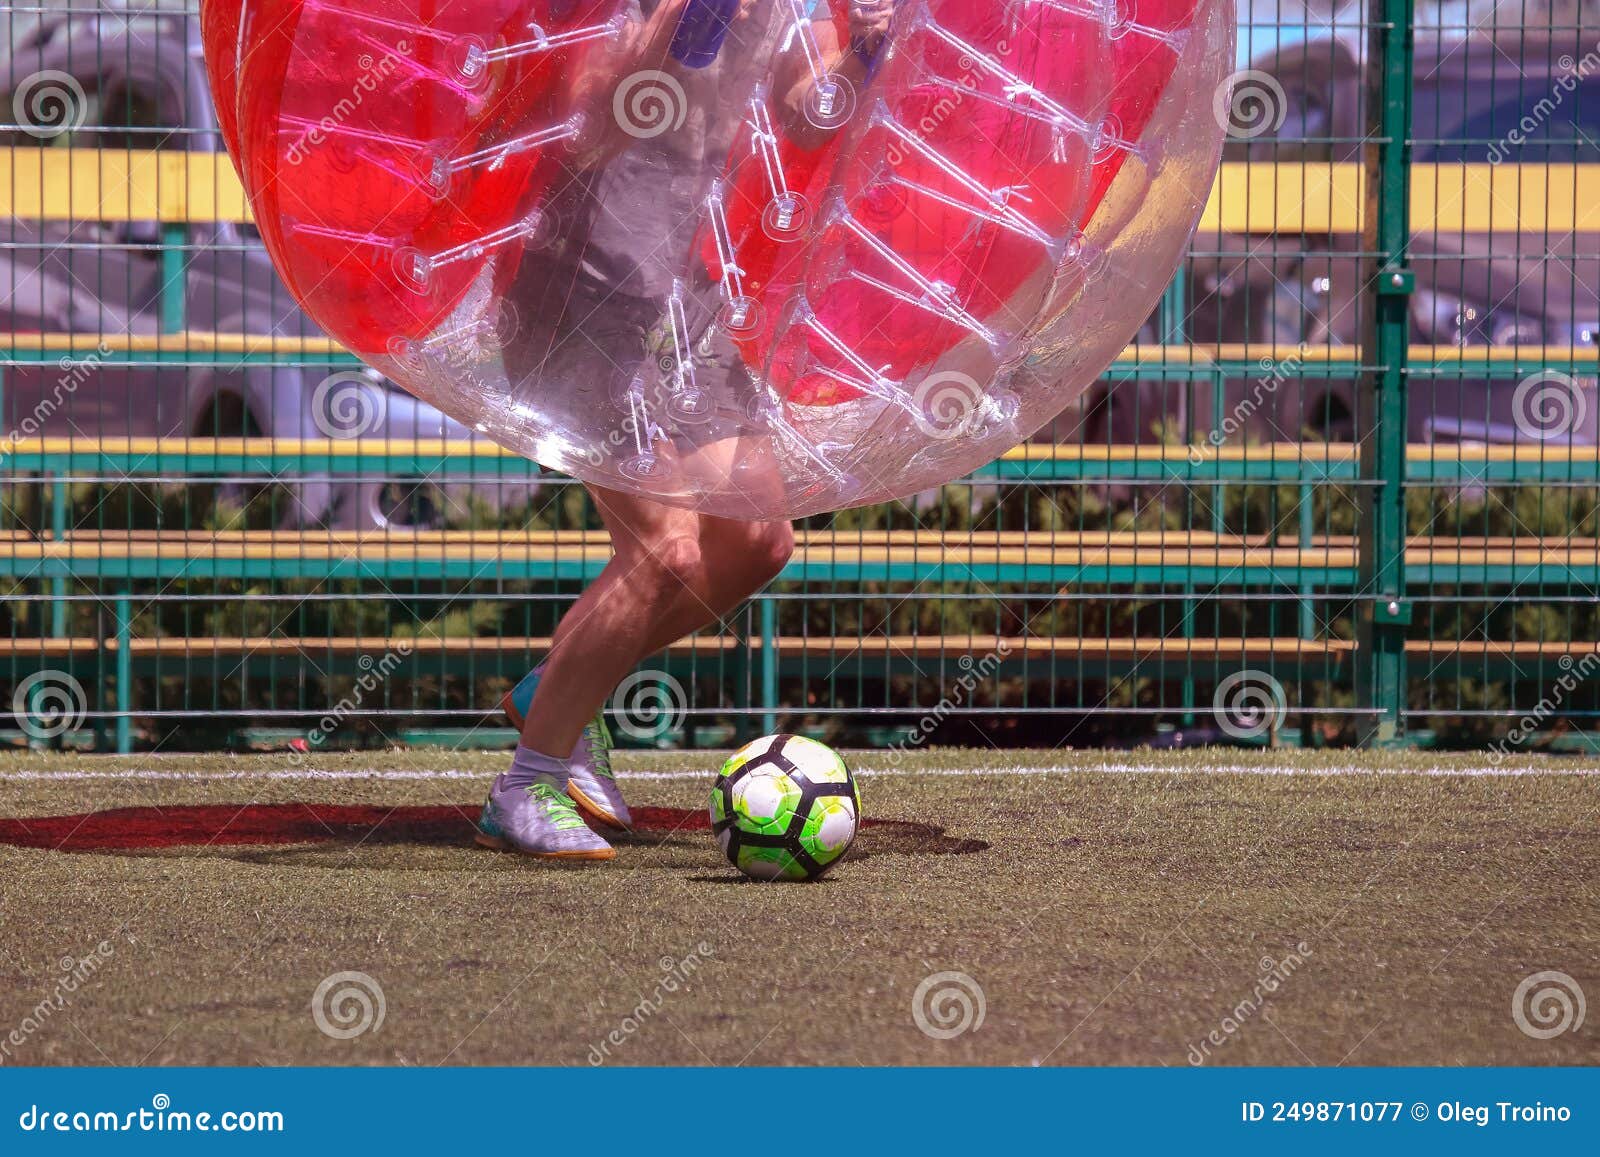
x=308, y=774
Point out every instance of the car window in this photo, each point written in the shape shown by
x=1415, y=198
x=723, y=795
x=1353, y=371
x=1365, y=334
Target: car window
x=1555, y=126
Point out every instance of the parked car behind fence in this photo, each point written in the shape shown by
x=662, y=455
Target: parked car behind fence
x=1530, y=103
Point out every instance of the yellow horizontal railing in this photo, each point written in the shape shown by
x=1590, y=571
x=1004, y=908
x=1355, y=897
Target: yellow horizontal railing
x=187, y=342
x=1328, y=198
x=1265, y=356
x=1548, y=455
x=1257, y=197
x=818, y=548
x=119, y=185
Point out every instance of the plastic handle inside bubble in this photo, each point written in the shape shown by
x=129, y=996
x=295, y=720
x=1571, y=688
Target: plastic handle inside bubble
x=701, y=30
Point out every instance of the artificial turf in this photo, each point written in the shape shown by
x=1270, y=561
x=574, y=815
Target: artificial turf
x=1101, y=915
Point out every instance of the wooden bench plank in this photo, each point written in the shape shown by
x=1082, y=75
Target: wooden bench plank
x=1093, y=558
x=483, y=462
x=825, y=539
x=811, y=539
x=1037, y=648
x=1152, y=357
x=485, y=646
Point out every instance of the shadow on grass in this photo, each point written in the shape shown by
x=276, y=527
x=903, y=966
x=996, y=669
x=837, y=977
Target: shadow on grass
x=268, y=829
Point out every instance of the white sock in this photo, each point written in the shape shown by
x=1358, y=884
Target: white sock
x=529, y=766
x=576, y=747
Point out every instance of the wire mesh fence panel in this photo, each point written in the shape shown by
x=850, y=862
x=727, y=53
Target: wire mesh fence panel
x=1341, y=487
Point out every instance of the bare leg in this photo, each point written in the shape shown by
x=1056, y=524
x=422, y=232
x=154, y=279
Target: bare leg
x=672, y=572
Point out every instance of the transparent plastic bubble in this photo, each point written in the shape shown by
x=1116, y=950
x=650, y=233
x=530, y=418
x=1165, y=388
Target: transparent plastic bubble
x=761, y=258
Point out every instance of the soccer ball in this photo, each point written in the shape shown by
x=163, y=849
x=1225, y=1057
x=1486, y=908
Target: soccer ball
x=785, y=808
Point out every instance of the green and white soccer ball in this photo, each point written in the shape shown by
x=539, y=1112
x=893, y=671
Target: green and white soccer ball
x=785, y=808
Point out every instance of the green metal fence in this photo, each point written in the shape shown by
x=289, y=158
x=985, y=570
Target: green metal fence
x=1343, y=487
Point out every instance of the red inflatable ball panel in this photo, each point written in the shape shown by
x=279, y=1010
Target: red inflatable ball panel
x=938, y=218
x=394, y=151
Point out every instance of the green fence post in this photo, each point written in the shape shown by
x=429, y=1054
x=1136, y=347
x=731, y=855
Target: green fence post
x=1386, y=156
x=1174, y=309
x=60, y=499
x=174, y=319
x=1174, y=312
x=769, y=666
x=123, y=701
x=1307, y=518
x=1219, y=492
x=174, y=299
x=739, y=673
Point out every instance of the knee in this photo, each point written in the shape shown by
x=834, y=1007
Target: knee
x=675, y=563
x=770, y=547
x=753, y=557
